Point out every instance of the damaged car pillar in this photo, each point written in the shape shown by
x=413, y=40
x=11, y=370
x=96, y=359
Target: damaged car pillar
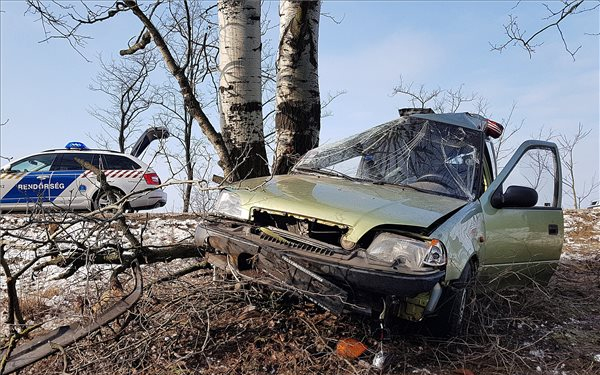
x=406, y=215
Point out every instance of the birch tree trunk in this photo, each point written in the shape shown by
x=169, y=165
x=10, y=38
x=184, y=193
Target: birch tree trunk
x=240, y=86
x=298, y=103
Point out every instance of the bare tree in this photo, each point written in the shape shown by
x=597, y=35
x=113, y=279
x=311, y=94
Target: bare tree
x=440, y=100
x=298, y=104
x=568, y=145
x=187, y=154
x=330, y=98
x=502, y=147
x=127, y=85
x=65, y=21
x=419, y=97
x=556, y=16
x=240, y=85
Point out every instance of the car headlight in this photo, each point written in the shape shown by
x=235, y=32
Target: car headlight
x=229, y=204
x=396, y=249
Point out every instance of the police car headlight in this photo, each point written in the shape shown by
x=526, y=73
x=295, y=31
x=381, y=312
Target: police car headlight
x=396, y=249
x=229, y=204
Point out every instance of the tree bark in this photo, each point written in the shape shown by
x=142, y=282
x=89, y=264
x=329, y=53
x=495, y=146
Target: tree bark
x=189, y=168
x=145, y=255
x=14, y=309
x=298, y=103
x=240, y=86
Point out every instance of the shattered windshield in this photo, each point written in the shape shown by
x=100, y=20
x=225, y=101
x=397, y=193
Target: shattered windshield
x=426, y=155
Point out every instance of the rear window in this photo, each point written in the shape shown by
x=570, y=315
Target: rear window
x=118, y=162
x=67, y=162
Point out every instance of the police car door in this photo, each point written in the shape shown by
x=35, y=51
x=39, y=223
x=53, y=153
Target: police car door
x=26, y=182
x=71, y=187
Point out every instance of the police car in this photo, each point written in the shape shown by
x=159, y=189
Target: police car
x=54, y=178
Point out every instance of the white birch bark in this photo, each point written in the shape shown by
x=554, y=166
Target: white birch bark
x=240, y=86
x=298, y=104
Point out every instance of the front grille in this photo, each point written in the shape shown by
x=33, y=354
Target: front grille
x=296, y=244
x=303, y=230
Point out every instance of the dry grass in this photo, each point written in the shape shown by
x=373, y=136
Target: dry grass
x=33, y=305
x=194, y=325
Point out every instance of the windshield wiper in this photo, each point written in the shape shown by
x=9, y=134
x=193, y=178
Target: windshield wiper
x=383, y=182
x=428, y=191
x=327, y=172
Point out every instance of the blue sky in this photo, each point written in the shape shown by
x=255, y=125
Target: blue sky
x=44, y=86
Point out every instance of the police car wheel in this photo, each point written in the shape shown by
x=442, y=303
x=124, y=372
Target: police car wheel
x=102, y=198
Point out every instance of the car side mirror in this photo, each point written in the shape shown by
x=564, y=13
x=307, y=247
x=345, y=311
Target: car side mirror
x=515, y=196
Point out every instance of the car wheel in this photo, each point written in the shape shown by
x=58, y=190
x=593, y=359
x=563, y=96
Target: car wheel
x=455, y=308
x=102, y=198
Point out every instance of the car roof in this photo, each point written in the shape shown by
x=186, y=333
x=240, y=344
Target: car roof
x=85, y=150
x=95, y=151
x=464, y=119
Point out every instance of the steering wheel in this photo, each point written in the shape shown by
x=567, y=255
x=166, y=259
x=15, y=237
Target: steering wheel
x=436, y=179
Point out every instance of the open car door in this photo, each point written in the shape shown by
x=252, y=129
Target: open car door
x=523, y=217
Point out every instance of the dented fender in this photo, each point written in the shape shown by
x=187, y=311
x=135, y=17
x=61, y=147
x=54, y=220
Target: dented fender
x=462, y=234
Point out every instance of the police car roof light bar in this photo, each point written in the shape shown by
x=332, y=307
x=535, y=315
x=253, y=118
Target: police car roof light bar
x=76, y=146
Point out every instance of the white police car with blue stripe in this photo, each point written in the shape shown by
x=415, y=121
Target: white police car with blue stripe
x=55, y=178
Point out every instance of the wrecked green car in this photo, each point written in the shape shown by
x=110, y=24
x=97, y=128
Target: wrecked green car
x=397, y=221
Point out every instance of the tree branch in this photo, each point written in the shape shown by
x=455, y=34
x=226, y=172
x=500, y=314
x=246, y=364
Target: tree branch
x=141, y=44
x=517, y=36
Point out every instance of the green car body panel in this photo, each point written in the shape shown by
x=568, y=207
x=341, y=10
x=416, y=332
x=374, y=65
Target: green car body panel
x=359, y=206
x=500, y=240
x=518, y=240
x=496, y=226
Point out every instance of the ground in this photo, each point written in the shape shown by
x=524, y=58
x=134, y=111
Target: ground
x=202, y=324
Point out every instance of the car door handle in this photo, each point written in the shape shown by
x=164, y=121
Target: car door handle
x=41, y=178
x=553, y=229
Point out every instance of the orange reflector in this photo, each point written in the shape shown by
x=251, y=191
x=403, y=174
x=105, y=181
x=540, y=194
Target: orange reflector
x=350, y=348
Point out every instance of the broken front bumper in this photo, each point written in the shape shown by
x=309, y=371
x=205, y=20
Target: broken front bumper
x=334, y=278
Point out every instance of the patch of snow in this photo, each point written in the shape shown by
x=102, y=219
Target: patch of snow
x=25, y=239
x=537, y=353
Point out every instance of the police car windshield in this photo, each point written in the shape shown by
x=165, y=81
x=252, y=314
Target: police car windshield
x=36, y=163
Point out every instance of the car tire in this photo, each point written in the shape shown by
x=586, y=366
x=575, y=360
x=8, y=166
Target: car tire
x=102, y=198
x=455, y=308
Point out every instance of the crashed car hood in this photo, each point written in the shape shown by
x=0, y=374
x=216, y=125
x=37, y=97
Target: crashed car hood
x=360, y=206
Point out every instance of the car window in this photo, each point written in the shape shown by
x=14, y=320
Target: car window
x=118, y=162
x=67, y=161
x=426, y=155
x=537, y=169
x=36, y=163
